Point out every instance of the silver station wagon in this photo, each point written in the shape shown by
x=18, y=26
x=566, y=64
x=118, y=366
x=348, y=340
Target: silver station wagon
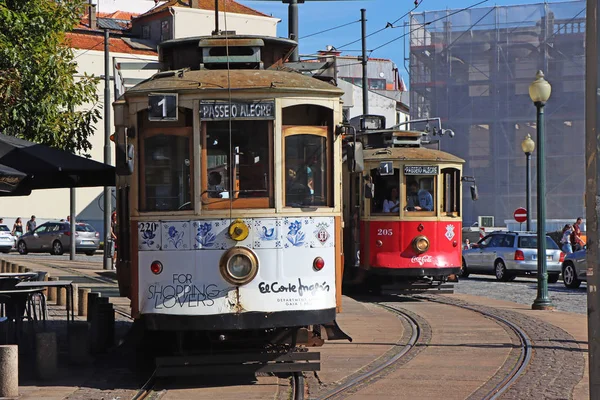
x=574, y=269
x=510, y=254
x=54, y=238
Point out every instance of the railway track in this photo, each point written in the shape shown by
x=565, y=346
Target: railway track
x=495, y=393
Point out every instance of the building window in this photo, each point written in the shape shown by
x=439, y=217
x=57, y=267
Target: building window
x=374, y=84
x=165, y=33
x=146, y=32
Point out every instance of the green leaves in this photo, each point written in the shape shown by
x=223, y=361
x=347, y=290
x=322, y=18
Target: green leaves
x=40, y=98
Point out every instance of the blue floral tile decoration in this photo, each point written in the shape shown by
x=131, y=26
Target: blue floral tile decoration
x=295, y=235
x=204, y=236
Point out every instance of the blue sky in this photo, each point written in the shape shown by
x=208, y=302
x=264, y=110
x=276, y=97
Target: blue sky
x=316, y=16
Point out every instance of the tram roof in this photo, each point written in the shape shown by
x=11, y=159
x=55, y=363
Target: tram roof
x=410, y=154
x=266, y=80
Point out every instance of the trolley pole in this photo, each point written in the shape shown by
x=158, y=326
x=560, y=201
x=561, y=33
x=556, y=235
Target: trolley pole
x=365, y=80
x=592, y=193
x=107, y=197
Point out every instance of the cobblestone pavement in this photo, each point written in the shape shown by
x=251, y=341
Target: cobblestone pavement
x=558, y=362
x=524, y=291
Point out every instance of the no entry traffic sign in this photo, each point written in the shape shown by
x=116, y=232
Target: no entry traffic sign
x=520, y=215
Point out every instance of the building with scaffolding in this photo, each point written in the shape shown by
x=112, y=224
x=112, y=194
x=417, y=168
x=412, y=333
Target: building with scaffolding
x=473, y=68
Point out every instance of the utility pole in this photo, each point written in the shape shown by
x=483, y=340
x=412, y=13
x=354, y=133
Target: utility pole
x=293, y=28
x=592, y=193
x=365, y=80
x=107, y=196
x=72, y=241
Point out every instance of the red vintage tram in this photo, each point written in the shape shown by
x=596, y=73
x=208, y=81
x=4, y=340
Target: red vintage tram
x=404, y=230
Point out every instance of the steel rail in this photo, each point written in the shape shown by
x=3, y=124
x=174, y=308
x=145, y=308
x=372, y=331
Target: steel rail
x=416, y=333
x=524, y=358
x=146, y=389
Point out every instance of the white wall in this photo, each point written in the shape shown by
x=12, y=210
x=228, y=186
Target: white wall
x=54, y=203
x=378, y=104
x=189, y=22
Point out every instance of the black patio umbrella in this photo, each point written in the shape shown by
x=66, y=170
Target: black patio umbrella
x=10, y=178
x=49, y=168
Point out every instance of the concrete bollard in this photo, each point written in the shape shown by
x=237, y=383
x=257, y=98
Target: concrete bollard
x=92, y=299
x=61, y=296
x=28, y=270
x=75, y=304
x=9, y=371
x=46, y=355
x=3, y=266
x=82, y=304
x=79, y=343
x=21, y=269
x=52, y=290
x=13, y=268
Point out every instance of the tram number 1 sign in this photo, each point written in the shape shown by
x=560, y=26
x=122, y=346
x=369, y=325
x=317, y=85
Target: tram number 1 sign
x=162, y=107
x=386, y=168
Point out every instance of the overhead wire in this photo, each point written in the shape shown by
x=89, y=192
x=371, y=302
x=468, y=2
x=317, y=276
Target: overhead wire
x=330, y=29
x=388, y=25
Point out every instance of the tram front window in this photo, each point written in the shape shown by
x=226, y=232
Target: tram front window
x=386, y=197
x=238, y=164
x=166, y=182
x=306, y=170
x=420, y=191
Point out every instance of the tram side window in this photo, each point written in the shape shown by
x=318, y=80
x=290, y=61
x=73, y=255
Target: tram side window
x=386, y=196
x=420, y=193
x=167, y=183
x=451, y=188
x=237, y=164
x=306, y=170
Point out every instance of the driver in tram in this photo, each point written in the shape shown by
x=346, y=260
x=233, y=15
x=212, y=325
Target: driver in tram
x=418, y=199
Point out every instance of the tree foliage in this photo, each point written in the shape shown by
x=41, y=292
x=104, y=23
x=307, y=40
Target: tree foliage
x=41, y=99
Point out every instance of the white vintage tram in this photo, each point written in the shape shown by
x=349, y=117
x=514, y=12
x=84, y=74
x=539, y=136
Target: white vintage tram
x=228, y=198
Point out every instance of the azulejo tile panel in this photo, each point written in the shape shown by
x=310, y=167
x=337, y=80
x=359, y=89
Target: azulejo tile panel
x=208, y=234
x=267, y=233
x=149, y=236
x=322, y=232
x=295, y=231
x=176, y=235
x=213, y=234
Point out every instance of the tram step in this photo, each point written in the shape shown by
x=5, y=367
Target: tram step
x=446, y=288
x=238, y=364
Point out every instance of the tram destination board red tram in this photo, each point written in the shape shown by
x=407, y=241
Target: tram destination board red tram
x=404, y=218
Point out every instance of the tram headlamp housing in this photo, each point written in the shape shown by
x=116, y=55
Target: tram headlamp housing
x=238, y=265
x=420, y=244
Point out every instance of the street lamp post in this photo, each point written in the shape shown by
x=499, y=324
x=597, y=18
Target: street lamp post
x=528, y=145
x=539, y=91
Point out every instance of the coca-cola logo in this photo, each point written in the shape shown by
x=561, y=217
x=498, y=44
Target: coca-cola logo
x=421, y=259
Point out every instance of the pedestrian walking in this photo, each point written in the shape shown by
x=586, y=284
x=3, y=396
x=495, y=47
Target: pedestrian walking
x=576, y=241
x=31, y=224
x=565, y=241
x=113, y=235
x=17, y=229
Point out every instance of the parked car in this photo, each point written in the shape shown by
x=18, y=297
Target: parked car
x=7, y=240
x=509, y=254
x=54, y=237
x=574, y=269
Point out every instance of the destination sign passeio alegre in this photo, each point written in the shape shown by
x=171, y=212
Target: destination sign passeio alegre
x=237, y=110
x=421, y=170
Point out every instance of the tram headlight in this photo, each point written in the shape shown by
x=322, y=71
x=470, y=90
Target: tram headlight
x=239, y=265
x=420, y=244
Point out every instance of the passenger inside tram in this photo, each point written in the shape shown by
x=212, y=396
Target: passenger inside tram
x=393, y=204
